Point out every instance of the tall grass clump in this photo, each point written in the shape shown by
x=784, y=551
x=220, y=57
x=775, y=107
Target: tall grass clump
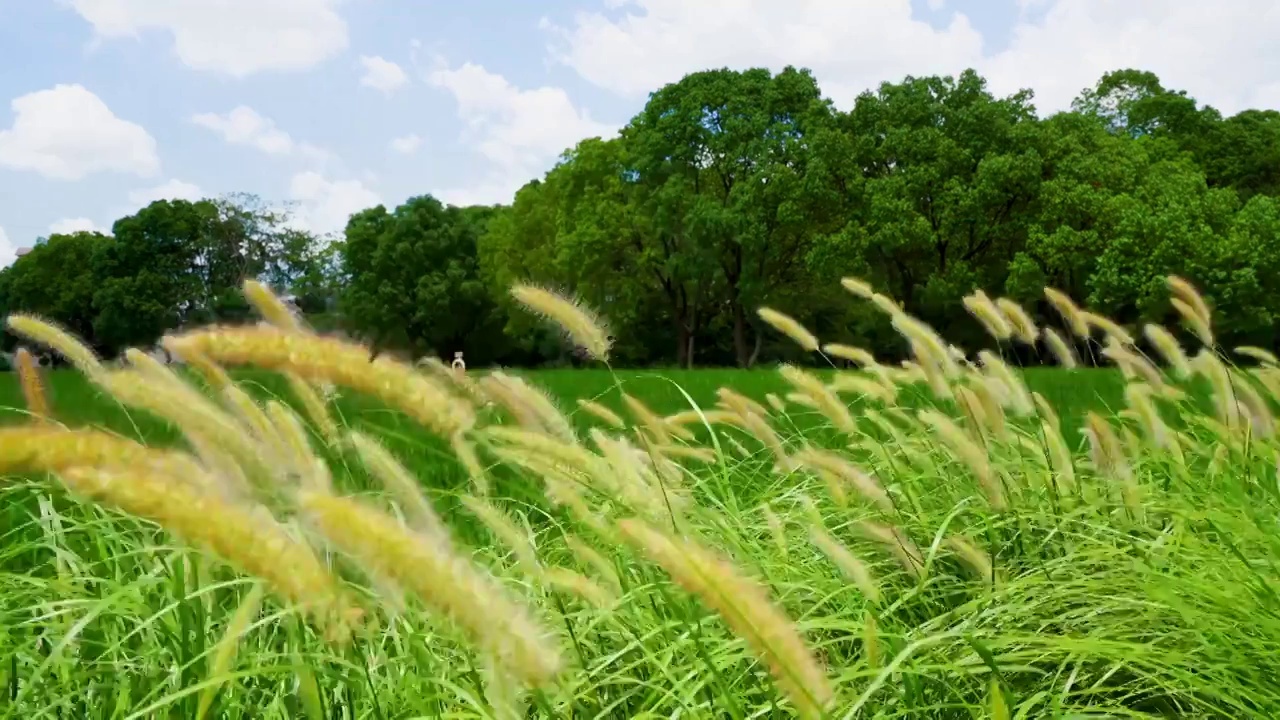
x=930, y=539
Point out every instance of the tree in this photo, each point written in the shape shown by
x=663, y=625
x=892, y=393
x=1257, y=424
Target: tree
x=950, y=175
x=1172, y=222
x=518, y=245
x=56, y=281
x=1244, y=154
x=414, y=279
x=1085, y=167
x=156, y=276
x=722, y=156
x=619, y=245
x=1135, y=103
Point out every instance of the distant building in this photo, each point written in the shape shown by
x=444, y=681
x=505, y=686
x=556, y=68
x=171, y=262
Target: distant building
x=22, y=251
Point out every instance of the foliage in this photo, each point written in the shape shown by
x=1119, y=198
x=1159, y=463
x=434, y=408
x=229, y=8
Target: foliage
x=413, y=279
x=731, y=189
x=172, y=263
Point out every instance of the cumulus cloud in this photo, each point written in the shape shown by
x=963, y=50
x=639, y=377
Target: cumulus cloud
x=850, y=45
x=1223, y=54
x=407, y=144
x=231, y=37
x=323, y=206
x=67, y=226
x=382, y=74
x=172, y=189
x=245, y=126
x=520, y=133
x=68, y=133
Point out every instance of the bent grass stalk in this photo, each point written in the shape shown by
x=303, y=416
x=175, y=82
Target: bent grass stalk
x=243, y=536
x=318, y=359
x=746, y=608
x=445, y=581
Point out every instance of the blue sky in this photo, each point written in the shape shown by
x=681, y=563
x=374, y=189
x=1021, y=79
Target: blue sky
x=335, y=105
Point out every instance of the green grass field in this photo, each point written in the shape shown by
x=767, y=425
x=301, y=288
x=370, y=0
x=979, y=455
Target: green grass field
x=1139, y=585
x=77, y=402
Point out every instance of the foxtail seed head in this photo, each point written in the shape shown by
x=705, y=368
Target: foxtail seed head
x=988, y=315
x=32, y=386
x=443, y=579
x=1062, y=351
x=51, y=336
x=318, y=359
x=583, y=326
x=746, y=608
x=790, y=327
x=602, y=413
x=244, y=536
x=849, y=565
x=270, y=306
x=1070, y=312
x=1023, y=326
x=858, y=288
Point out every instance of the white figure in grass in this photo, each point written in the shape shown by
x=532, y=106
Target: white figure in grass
x=459, y=365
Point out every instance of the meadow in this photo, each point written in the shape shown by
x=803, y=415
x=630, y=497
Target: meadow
x=340, y=538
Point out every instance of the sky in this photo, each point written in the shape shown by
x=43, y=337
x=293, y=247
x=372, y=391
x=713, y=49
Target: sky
x=332, y=106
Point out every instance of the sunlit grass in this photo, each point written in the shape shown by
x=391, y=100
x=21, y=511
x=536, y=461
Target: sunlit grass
x=964, y=550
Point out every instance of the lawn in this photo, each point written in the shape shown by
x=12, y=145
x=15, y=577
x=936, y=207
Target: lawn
x=77, y=402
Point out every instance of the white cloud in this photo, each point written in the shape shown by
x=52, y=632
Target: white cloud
x=232, y=37
x=324, y=205
x=520, y=132
x=382, y=74
x=172, y=189
x=66, y=226
x=406, y=145
x=67, y=133
x=1223, y=54
x=244, y=126
x=850, y=45
x=8, y=253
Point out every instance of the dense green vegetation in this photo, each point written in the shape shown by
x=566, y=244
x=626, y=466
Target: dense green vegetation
x=731, y=190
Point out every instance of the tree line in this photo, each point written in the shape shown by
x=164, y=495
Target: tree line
x=736, y=189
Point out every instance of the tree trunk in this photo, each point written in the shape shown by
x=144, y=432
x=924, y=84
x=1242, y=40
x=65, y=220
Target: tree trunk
x=740, y=350
x=689, y=352
x=683, y=344
x=755, y=352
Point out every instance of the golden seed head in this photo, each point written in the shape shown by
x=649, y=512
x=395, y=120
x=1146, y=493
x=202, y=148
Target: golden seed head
x=318, y=359
x=270, y=306
x=745, y=607
x=986, y=312
x=32, y=385
x=790, y=327
x=858, y=288
x=43, y=332
x=1062, y=351
x=1070, y=312
x=602, y=413
x=442, y=578
x=583, y=327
